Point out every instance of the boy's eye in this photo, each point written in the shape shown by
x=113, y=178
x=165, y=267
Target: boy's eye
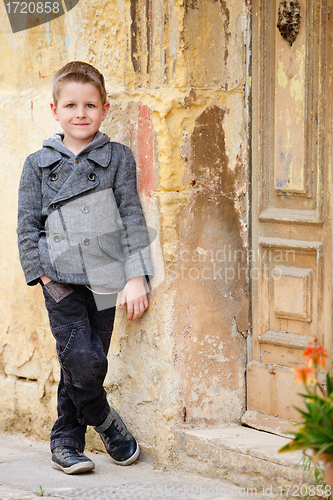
x=90, y=105
x=70, y=105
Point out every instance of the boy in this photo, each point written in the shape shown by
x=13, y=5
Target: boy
x=82, y=236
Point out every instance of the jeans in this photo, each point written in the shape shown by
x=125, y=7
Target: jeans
x=83, y=336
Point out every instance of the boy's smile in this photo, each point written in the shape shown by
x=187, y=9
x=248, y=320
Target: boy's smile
x=80, y=113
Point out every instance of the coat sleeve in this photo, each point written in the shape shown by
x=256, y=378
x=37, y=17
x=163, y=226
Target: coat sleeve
x=30, y=223
x=135, y=236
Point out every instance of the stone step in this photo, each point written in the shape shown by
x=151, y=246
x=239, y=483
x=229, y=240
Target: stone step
x=246, y=457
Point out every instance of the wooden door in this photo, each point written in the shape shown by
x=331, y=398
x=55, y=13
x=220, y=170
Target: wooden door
x=291, y=267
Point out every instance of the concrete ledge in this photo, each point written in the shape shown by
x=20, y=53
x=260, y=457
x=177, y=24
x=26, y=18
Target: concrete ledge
x=244, y=456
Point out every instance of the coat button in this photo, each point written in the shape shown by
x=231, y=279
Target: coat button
x=56, y=206
x=86, y=241
x=85, y=210
x=91, y=176
x=53, y=176
x=76, y=160
x=57, y=238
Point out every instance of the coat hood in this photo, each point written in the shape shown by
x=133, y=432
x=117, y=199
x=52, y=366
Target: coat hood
x=56, y=142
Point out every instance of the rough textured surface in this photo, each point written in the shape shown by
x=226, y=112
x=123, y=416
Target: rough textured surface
x=175, y=74
x=141, y=481
x=244, y=456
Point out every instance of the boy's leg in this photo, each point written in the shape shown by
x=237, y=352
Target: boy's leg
x=67, y=430
x=68, y=458
x=82, y=339
x=118, y=441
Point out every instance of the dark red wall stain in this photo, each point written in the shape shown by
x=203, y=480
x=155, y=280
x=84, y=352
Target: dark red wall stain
x=145, y=143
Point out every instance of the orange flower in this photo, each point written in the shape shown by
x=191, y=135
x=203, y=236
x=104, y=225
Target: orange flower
x=303, y=374
x=315, y=354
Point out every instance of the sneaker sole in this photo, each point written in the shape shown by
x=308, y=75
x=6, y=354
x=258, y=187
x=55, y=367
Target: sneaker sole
x=75, y=468
x=131, y=459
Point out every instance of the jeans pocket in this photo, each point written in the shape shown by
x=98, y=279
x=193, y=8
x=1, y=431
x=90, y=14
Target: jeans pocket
x=78, y=354
x=57, y=291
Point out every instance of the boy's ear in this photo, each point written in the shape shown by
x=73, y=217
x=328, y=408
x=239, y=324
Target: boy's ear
x=106, y=108
x=54, y=111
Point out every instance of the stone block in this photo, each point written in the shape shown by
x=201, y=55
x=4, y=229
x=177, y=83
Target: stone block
x=7, y=394
x=246, y=457
x=28, y=400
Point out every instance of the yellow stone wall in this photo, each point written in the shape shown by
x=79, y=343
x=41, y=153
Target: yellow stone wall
x=176, y=77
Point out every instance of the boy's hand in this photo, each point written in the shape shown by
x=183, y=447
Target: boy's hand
x=45, y=279
x=135, y=295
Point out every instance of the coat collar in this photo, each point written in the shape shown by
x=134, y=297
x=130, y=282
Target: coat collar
x=48, y=157
x=101, y=156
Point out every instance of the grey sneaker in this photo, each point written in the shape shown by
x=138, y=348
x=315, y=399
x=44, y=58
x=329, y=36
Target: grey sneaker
x=70, y=460
x=118, y=441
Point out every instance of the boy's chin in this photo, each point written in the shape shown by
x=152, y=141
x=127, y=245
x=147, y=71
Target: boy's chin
x=82, y=137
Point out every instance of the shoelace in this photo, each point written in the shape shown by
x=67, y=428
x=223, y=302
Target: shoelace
x=67, y=453
x=113, y=447
x=120, y=426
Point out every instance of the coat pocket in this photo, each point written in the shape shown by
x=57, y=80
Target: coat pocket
x=111, y=246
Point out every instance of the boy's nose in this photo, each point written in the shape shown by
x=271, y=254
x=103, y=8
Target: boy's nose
x=80, y=111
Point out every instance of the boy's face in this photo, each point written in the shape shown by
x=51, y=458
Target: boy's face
x=80, y=113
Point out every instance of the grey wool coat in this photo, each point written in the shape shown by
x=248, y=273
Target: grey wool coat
x=80, y=219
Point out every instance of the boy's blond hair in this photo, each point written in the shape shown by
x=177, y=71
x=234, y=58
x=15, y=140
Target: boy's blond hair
x=80, y=72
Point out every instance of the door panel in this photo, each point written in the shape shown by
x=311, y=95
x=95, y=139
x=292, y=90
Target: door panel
x=290, y=83
x=291, y=198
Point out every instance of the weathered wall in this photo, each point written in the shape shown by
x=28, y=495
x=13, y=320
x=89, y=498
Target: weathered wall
x=175, y=73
